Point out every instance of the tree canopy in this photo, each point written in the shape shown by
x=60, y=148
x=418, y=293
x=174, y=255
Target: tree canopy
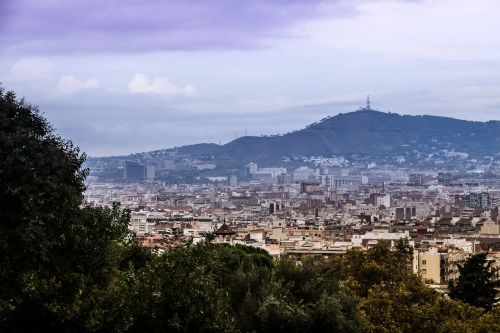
x=56, y=251
x=475, y=284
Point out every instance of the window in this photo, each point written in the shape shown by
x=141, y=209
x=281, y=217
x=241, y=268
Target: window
x=424, y=262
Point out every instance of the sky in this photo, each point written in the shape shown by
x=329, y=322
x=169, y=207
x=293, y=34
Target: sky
x=123, y=76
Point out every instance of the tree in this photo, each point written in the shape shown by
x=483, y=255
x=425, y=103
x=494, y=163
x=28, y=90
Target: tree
x=415, y=308
x=279, y=314
x=188, y=298
x=475, y=285
x=379, y=264
x=57, y=252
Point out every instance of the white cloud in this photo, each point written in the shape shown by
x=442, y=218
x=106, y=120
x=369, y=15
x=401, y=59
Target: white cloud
x=140, y=83
x=31, y=68
x=440, y=29
x=69, y=84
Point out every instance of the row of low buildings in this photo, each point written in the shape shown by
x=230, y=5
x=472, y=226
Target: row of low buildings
x=313, y=217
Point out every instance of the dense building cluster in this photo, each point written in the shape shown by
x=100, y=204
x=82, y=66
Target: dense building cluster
x=321, y=212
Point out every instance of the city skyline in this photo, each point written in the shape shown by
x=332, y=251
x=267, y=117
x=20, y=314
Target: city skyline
x=150, y=76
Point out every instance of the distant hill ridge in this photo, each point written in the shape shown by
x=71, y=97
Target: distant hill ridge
x=365, y=131
x=368, y=131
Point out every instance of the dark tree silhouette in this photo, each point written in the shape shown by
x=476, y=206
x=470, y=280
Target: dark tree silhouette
x=56, y=251
x=475, y=285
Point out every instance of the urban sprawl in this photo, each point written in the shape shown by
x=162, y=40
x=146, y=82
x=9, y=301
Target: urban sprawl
x=320, y=212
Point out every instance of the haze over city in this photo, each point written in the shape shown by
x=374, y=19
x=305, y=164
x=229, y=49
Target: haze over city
x=126, y=76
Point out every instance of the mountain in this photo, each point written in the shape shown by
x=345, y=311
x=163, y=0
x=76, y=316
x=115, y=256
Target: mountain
x=367, y=131
x=360, y=135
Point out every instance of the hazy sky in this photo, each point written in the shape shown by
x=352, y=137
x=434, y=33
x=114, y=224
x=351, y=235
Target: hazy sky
x=121, y=76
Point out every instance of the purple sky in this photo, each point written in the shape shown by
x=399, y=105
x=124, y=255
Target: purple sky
x=119, y=76
x=96, y=26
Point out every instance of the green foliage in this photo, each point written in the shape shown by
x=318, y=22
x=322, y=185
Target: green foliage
x=311, y=292
x=188, y=296
x=400, y=302
x=278, y=314
x=365, y=269
x=55, y=253
x=475, y=285
x=402, y=309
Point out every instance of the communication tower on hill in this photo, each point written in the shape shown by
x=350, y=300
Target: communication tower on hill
x=368, y=106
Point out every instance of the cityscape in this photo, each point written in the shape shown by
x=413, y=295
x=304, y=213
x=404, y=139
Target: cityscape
x=252, y=166
x=448, y=210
